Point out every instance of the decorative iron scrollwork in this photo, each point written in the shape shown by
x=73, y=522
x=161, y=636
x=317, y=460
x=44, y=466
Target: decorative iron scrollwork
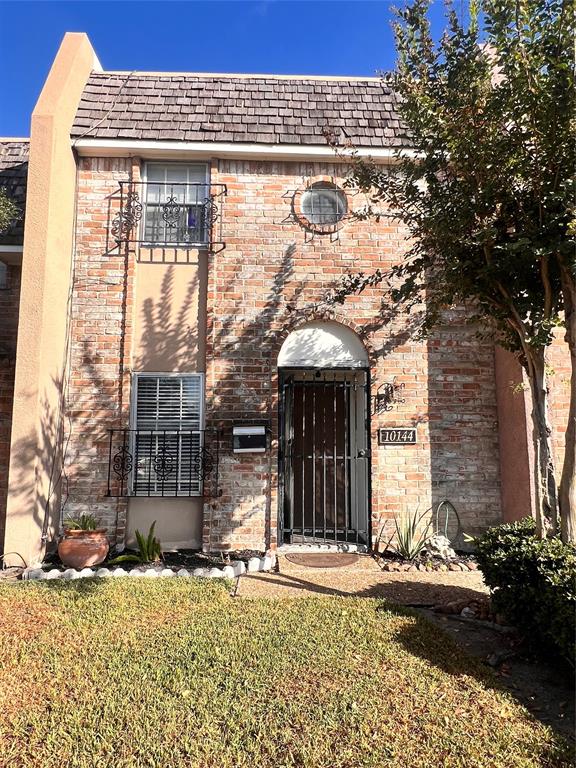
x=211, y=212
x=163, y=463
x=122, y=463
x=202, y=464
x=127, y=217
x=388, y=395
x=171, y=212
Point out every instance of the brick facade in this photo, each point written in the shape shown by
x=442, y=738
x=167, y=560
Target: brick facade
x=9, y=304
x=272, y=277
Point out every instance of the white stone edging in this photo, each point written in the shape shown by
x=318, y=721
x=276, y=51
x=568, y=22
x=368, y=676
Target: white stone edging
x=232, y=571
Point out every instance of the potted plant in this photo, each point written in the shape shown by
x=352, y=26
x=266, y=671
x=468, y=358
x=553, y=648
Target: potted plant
x=83, y=543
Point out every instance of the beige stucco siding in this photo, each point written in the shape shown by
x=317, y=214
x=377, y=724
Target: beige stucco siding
x=170, y=316
x=169, y=337
x=36, y=442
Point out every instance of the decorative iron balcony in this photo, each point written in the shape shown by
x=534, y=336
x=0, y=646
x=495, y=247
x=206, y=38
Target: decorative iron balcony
x=170, y=462
x=170, y=214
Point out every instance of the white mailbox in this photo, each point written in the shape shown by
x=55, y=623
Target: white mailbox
x=249, y=439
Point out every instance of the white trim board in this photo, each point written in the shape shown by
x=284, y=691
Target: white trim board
x=206, y=149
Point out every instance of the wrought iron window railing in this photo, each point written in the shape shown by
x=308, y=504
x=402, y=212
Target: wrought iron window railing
x=169, y=462
x=170, y=214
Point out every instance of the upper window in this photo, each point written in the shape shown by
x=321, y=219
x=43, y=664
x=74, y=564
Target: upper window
x=323, y=204
x=168, y=437
x=177, y=204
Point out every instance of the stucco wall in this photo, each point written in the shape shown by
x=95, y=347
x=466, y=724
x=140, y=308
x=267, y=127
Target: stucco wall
x=35, y=479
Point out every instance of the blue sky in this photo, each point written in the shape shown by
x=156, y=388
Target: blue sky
x=334, y=37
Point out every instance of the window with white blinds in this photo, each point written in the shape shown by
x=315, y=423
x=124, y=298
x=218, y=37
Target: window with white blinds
x=168, y=438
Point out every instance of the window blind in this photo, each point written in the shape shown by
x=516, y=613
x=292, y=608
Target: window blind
x=168, y=439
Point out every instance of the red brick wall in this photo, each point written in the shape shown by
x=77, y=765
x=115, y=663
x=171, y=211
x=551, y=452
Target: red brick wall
x=97, y=391
x=267, y=281
x=9, y=303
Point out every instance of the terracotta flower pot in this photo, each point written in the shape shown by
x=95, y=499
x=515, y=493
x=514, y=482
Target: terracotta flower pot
x=81, y=549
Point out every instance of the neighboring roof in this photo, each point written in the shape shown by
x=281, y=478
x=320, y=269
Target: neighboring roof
x=13, y=175
x=262, y=109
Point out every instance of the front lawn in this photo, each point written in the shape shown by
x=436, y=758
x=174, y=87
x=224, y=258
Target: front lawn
x=175, y=673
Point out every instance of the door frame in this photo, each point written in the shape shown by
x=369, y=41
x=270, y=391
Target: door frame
x=282, y=372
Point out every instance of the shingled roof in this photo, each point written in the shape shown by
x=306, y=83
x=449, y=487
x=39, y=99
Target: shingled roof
x=13, y=175
x=227, y=108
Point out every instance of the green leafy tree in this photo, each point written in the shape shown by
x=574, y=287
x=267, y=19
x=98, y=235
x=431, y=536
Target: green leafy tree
x=487, y=192
x=9, y=211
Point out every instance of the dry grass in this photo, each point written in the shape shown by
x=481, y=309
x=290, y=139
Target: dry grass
x=104, y=673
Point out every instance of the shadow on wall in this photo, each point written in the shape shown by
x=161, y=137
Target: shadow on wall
x=99, y=396
x=34, y=504
x=463, y=425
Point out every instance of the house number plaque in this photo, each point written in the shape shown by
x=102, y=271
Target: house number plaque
x=397, y=436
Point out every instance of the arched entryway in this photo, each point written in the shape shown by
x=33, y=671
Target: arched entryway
x=324, y=437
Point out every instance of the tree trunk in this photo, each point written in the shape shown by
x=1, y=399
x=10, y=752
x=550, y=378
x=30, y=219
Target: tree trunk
x=546, y=491
x=568, y=479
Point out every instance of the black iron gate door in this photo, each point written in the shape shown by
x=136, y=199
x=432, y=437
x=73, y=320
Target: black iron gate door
x=324, y=456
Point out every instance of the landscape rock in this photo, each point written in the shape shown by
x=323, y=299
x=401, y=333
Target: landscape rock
x=253, y=564
x=439, y=546
x=33, y=574
x=239, y=567
x=118, y=572
x=183, y=573
x=104, y=573
x=228, y=572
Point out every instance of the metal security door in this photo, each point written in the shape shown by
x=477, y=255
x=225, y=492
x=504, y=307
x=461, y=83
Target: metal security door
x=324, y=456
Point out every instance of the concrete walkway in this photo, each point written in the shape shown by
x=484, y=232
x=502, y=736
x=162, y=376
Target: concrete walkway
x=362, y=579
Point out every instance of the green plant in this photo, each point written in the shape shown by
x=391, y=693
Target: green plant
x=149, y=549
x=533, y=584
x=82, y=523
x=410, y=536
x=9, y=211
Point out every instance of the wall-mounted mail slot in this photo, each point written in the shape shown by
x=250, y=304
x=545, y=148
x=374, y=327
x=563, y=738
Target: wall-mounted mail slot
x=249, y=439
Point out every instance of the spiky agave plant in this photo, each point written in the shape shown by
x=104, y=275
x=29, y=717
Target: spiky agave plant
x=411, y=536
x=149, y=549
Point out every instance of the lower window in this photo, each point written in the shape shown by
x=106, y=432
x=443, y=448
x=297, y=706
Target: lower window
x=168, y=437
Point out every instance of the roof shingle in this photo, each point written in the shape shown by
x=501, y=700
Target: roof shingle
x=248, y=109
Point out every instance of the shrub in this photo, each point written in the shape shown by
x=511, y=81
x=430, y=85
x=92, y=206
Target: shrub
x=533, y=583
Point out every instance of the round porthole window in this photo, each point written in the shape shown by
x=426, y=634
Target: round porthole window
x=323, y=205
